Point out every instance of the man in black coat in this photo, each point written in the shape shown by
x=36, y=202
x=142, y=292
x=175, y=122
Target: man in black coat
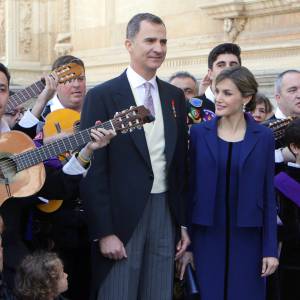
x=135, y=191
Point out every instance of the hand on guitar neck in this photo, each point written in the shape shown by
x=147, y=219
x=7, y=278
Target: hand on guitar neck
x=13, y=117
x=100, y=138
x=46, y=95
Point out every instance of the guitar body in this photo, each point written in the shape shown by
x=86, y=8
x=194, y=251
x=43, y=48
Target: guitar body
x=23, y=183
x=51, y=206
x=59, y=121
x=62, y=120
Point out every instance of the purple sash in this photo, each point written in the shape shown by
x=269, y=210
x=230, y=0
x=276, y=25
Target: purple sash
x=288, y=186
x=53, y=162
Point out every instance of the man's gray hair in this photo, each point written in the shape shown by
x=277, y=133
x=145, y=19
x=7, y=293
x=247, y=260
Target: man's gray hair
x=278, y=81
x=133, y=26
x=182, y=74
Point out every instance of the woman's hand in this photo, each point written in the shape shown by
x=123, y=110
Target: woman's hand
x=182, y=262
x=269, y=266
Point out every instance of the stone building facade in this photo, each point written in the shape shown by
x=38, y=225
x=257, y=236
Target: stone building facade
x=35, y=32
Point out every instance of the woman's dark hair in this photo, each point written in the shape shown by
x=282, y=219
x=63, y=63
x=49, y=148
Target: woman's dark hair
x=242, y=78
x=292, y=133
x=260, y=99
x=37, y=276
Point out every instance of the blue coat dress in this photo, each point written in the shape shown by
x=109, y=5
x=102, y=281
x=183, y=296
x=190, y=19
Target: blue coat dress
x=232, y=210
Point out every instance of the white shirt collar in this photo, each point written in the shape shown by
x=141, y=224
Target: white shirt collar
x=137, y=80
x=4, y=126
x=210, y=95
x=279, y=114
x=55, y=103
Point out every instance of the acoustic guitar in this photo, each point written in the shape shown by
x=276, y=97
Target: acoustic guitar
x=63, y=120
x=279, y=126
x=64, y=73
x=21, y=171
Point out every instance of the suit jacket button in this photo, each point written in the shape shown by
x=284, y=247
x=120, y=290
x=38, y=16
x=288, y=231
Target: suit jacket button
x=151, y=176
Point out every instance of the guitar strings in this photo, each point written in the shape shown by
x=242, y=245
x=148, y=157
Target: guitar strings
x=10, y=164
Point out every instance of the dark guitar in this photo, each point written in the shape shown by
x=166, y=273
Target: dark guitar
x=22, y=172
x=279, y=126
x=64, y=73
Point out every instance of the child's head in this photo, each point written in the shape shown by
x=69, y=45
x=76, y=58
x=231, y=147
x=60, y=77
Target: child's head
x=40, y=277
x=260, y=108
x=292, y=137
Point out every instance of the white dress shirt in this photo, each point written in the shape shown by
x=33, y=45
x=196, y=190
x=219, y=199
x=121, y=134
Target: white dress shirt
x=210, y=95
x=278, y=154
x=4, y=126
x=154, y=131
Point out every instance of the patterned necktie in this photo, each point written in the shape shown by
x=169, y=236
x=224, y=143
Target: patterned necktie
x=148, y=101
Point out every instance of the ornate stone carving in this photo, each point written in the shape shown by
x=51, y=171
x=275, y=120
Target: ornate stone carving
x=2, y=28
x=233, y=27
x=25, y=37
x=221, y=9
x=63, y=44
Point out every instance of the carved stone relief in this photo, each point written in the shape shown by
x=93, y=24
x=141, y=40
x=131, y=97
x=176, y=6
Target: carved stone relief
x=63, y=45
x=2, y=28
x=25, y=37
x=233, y=27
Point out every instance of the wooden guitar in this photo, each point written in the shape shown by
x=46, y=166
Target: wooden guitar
x=63, y=120
x=64, y=73
x=21, y=171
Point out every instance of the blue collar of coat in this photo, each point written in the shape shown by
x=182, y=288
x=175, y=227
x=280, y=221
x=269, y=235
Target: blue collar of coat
x=252, y=135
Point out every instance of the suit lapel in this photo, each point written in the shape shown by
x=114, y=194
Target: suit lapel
x=168, y=106
x=123, y=99
x=211, y=137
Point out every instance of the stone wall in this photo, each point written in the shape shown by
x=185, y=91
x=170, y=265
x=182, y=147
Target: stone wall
x=35, y=32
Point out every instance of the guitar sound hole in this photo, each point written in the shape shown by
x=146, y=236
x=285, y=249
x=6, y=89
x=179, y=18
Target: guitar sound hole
x=7, y=170
x=76, y=126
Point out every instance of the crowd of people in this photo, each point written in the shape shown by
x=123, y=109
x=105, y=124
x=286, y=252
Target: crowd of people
x=213, y=183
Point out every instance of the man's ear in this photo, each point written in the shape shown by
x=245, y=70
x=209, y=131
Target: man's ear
x=128, y=44
x=209, y=73
x=277, y=97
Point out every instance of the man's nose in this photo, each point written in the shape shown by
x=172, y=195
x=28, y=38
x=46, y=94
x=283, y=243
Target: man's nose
x=158, y=47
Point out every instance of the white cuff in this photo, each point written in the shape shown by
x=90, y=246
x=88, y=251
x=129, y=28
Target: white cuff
x=278, y=156
x=73, y=167
x=28, y=120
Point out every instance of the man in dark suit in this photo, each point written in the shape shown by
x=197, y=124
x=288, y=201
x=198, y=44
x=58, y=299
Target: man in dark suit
x=135, y=191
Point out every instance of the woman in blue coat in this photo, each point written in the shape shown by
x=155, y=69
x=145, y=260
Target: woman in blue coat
x=232, y=207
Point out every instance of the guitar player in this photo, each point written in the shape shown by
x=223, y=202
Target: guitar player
x=58, y=183
x=68, y=233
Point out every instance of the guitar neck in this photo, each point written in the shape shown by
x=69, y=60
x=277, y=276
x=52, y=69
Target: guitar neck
x=33, y=157
x=24, y=95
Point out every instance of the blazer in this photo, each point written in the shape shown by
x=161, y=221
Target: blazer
x=118, y=184
x=256, y=205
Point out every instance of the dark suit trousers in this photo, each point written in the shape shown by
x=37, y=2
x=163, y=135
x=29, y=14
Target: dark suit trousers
x=147, y=273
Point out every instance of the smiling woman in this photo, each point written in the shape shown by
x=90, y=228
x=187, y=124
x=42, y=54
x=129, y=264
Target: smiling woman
x=234, y=221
